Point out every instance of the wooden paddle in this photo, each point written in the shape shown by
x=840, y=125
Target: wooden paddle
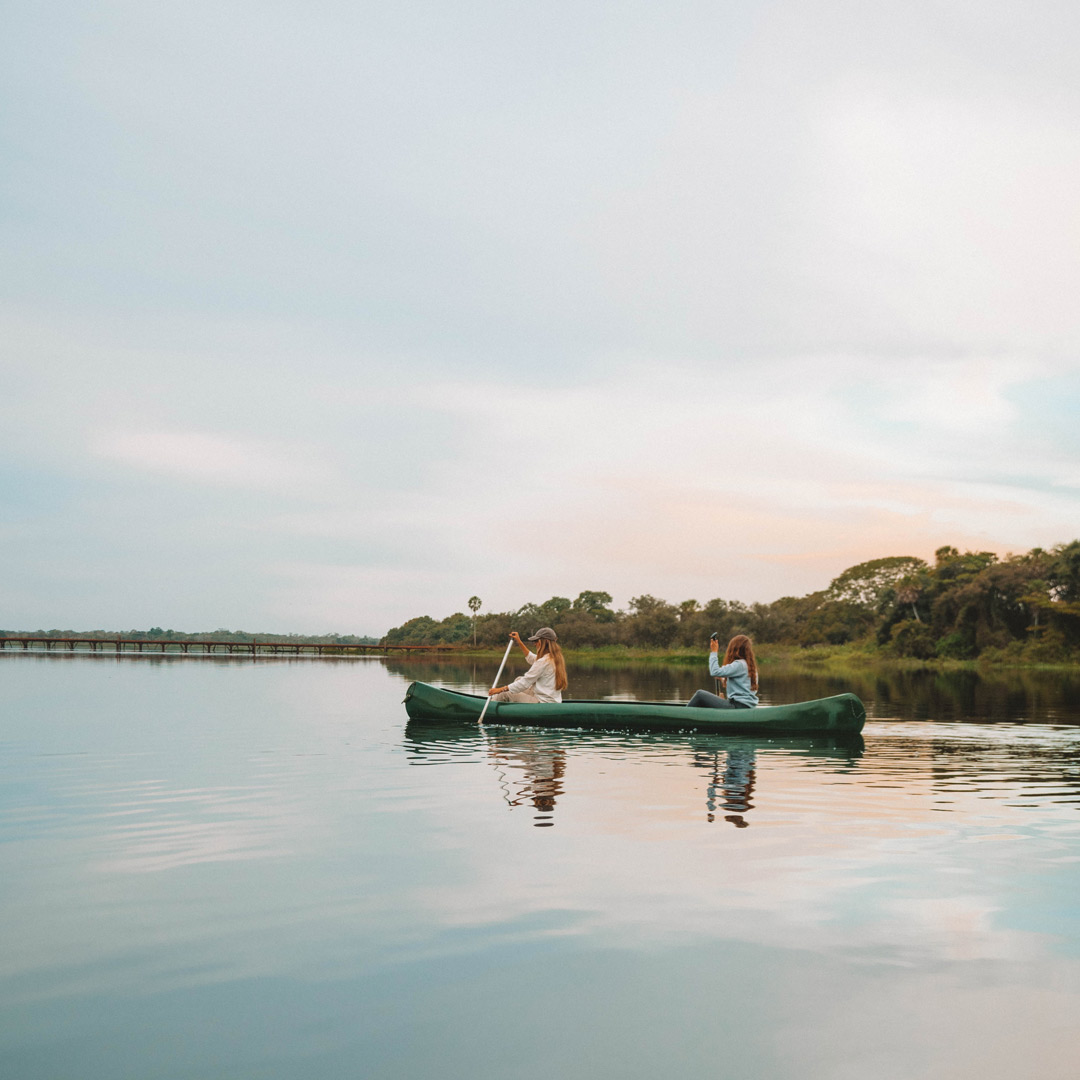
x=509, y=646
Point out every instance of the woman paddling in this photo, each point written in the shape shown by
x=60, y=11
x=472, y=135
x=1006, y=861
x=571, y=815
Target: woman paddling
x=545, y=681
x=739, y=674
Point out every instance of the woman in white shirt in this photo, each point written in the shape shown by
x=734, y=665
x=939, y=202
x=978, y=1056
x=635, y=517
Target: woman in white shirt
x=545, y=680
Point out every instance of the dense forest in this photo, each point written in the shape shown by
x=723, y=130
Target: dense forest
x=965, y=605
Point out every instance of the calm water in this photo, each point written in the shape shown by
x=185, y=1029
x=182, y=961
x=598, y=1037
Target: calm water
x=226, y=869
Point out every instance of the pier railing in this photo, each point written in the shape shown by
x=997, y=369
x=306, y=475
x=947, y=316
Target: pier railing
x=119, y=645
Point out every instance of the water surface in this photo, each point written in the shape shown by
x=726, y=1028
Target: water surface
x=226, y=869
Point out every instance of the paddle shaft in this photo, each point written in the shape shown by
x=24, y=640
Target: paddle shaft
x=509, y=646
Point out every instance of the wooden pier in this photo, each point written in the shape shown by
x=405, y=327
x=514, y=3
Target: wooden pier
x=162, y=646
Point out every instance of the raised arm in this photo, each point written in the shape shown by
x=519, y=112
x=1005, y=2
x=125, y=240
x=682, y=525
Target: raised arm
x=515, y=636
x=722, y=672
x=714, y=658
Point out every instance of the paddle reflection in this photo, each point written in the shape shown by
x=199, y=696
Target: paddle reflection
x=530, y=766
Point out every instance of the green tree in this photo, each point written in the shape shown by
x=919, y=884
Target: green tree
x=835, y=622
x=652, y=622
x=781, y=621
x=417, y=631
x=1060, y=603
x=551, y=611
x=594, y=604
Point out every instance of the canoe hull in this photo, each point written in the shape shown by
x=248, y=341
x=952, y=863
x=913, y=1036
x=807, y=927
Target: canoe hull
x=842, y=714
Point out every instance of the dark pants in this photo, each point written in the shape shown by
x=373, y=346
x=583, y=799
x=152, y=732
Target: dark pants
x=702, y=699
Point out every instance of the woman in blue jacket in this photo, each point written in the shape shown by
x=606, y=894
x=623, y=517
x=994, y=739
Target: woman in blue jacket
x=738, y=675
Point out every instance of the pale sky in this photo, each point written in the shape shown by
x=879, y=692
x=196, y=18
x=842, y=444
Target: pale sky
x=320, y=316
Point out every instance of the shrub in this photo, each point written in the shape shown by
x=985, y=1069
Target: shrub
x=914, y=639
x=959, y=645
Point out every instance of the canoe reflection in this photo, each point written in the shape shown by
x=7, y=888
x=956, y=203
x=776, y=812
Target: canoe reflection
x=530, y=765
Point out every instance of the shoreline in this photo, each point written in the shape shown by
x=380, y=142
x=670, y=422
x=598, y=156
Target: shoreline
x=790, y=657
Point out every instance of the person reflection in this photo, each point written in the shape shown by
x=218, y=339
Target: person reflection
x=733, y=789
x=543, y=761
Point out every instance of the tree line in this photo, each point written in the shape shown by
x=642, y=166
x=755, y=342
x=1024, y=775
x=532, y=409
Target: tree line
x=962, y=606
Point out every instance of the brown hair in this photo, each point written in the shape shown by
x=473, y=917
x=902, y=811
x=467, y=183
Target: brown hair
x=544, y=647
x=741, y=648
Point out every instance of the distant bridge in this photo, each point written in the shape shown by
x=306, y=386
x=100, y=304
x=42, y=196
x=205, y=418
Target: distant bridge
x=119, y=645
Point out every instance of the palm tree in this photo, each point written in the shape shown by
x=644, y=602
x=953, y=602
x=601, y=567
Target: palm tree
x=909, y=593
x=474, y=607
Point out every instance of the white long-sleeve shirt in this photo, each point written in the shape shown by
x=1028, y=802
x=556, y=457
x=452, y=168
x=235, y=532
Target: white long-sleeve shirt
x=540, y=679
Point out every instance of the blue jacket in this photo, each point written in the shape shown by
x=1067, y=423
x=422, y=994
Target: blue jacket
x=738, y=679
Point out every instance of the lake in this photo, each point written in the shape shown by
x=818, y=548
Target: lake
x=218, y=868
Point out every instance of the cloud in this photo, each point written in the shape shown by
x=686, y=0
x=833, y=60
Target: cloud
x=966, y=396
x=357, y=497
x=205, y=457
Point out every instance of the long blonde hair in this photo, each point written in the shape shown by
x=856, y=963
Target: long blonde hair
x=544, y=647
x=741, y=648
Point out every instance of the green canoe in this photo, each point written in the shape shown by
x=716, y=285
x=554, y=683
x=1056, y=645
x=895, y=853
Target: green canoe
x=842, y=714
